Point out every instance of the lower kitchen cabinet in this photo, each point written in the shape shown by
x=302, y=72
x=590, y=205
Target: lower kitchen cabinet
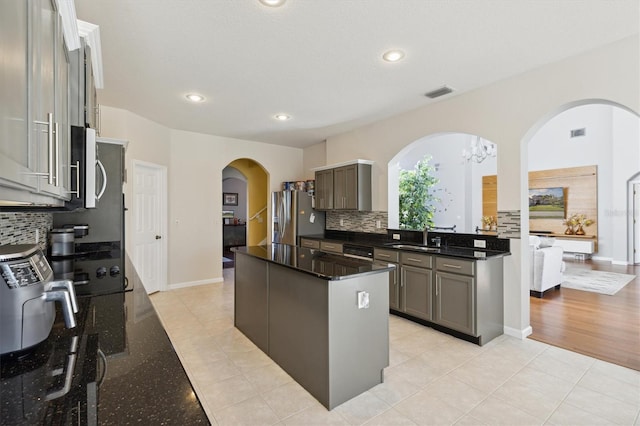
x=416, y=287
x=457, y=296
x=455, y=302
x=394, y=289
x=392, y=257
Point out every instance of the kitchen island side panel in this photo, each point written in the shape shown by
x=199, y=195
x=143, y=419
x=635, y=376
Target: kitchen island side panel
x=251, y=288
x=299, y=328
x=358, y=337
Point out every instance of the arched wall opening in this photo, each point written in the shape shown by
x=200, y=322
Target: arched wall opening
x=612, y=143
x=459, y=189
x=257, y=184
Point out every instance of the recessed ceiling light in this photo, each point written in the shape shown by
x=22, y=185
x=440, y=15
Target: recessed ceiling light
x=272, y=3
x=282, y=117
x=393, y=55
x=194, y=97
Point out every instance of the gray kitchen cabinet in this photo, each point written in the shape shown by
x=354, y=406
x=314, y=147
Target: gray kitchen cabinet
x=35, y=148
x=391, y=256
x=352, y=187
x=469, y=296
x=344, y=188
x=324, y=189
x=458, y=296
x=83, y=97
x=308, y=243
x=416, y=287
x=331, y=246
x=455, y=302
x=50, y=100
x=17, y=160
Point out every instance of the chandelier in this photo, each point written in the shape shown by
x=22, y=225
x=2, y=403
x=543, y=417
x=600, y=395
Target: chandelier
x=479, y=150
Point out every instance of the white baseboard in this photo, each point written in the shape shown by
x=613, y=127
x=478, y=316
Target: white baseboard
x=602, y=258
x=518, y=334
x=620, y=262
x=194, y=283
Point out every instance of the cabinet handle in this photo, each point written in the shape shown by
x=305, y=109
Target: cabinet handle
x=49, y=124
x=414, y=260
x=383, y=255
x=77, y=167
x=448, y=265
x=437, y=285
x=56, y=152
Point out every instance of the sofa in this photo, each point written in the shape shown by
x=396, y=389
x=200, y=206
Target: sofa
x=547, y=265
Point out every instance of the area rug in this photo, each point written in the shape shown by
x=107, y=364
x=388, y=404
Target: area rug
x=596, y=281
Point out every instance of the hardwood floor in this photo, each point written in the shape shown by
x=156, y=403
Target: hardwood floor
x=598, y=325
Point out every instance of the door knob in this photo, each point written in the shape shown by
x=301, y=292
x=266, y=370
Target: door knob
x=158, y=237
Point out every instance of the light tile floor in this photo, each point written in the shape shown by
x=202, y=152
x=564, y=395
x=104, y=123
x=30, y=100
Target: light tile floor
x=433, y=378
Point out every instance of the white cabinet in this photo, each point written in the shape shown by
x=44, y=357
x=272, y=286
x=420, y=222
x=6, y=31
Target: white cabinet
x=35, y=133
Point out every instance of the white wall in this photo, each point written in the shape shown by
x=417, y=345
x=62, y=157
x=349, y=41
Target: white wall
x=612, y=146
x=195, y=163
x=507, y=113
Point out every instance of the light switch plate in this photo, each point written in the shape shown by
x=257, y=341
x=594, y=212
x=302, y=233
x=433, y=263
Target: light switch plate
x=480, y=243
x=395, y=236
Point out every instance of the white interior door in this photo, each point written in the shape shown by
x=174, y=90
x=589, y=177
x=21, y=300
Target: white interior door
x=149, y=216
x=636, y=223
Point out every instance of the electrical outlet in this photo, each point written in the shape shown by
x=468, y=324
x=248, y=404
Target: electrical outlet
x=363, y=300
x=341, y=222
x=37, y=236
x=378, y=224
x=480, y=243
x=395, y=236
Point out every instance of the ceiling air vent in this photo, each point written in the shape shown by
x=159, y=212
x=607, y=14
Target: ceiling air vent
x=578, y=132
x=444, y=90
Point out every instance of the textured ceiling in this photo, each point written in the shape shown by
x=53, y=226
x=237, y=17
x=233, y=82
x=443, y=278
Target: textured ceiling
x=320, y=60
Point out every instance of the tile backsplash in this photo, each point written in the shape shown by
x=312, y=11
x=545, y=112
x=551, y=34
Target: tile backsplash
x=357, y=221
x=20, y=228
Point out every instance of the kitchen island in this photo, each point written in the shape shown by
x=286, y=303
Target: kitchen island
x=117, y=366
x=324, y=318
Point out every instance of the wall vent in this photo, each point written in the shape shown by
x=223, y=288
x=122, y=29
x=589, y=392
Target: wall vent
x=444, y=90
x=578, y=132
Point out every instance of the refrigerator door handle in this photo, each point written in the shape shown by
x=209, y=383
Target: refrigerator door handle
x=104, y=180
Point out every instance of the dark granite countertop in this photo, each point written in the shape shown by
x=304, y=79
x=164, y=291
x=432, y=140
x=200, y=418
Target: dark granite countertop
x=116, y=367
x=321, y=264
x=381, y=241
x=448, y=251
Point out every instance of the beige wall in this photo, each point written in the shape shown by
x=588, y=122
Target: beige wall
x=195, y=163
x=507, y=113
x=314, y=156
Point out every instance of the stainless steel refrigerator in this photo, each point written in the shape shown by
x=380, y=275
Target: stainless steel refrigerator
x=293, y=217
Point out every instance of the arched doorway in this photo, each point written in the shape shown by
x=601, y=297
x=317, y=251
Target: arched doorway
x=602, y=135
x=244, y=213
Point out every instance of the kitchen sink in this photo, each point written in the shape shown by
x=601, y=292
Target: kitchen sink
x=413, y=247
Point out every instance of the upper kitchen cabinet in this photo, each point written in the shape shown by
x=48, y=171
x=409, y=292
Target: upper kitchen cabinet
x=83, y=93
x=49, y=99
x=352, y=187
x=344, y=187
x=35, y=134
x=17, y=159
x=324, y=190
